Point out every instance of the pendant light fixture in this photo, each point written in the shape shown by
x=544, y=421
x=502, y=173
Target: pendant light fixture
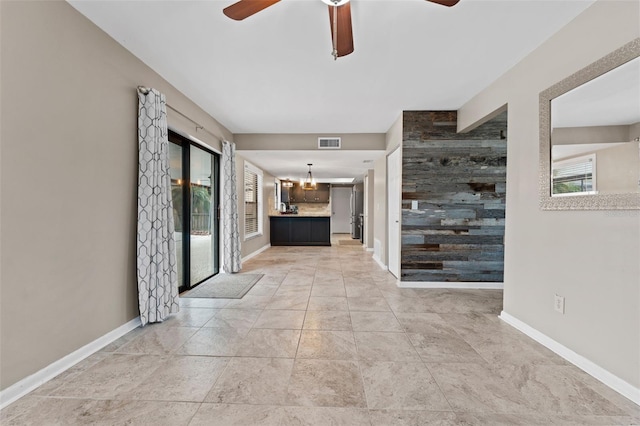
x=287, y=183
x=308, y=183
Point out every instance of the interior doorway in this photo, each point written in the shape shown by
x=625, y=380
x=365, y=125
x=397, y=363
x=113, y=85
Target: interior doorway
x=341, y=209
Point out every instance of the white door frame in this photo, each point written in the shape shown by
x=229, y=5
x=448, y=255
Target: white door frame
x=394, y=196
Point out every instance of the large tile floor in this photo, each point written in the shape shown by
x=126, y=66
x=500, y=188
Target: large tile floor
x=326, y=338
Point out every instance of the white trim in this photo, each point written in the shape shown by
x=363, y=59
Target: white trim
x=369, y=249
x=255, y=253
x=379, y=262
x=29, y=383
x=452, y=284
x=614, y=382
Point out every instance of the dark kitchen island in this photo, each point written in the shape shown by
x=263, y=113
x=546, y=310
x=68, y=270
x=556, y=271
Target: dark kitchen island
x=300, y=230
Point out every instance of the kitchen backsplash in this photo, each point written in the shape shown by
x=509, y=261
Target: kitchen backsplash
x=314, y=208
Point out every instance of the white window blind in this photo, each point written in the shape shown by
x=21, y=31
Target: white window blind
x=252, y=201
x=574, y=176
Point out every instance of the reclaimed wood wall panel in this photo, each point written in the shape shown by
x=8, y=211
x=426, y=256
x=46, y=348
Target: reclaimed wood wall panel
x=458, y=180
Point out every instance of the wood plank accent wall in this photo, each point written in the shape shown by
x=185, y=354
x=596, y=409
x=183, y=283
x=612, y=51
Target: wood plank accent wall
x=456, y=233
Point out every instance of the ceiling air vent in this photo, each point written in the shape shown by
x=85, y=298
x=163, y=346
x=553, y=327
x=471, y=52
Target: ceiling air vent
x=328, y=143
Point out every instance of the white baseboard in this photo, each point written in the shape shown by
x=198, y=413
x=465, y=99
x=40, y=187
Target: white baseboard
x=369, y=249
x=379, y=262
x=255, y=253
x=614, y=382
x=26, y=385
x=447, y=284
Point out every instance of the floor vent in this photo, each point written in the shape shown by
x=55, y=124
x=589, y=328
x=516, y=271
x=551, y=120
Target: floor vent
x=328, y=143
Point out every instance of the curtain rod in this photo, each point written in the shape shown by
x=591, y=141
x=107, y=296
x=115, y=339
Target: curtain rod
x=198, y=125
x=146, y=90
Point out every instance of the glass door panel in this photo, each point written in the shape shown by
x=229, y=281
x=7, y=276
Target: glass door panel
x=203, y=215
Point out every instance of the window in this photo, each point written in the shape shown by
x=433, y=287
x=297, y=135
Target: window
x=576, y=176
x=252, y=201
x=277, y=194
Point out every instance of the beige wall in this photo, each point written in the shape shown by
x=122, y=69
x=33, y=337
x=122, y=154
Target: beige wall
x=589, y=257
x=68, y=131
x=380, y=210
x=393, y=139
x=350, y=141
x=369, y=208
x=591, y=134
x=618, y=169
x=255, y=243
x=634, y=132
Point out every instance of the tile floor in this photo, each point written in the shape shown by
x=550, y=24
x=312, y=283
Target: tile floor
x=326, y=338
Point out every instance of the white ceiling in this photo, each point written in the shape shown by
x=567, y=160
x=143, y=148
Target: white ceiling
x=273, y=72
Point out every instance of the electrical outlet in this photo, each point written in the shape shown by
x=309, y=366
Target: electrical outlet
x=558, y=304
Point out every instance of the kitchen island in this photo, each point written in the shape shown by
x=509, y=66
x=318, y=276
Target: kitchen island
x=300, y=230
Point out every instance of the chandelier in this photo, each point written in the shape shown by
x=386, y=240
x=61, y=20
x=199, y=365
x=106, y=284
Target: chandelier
x=308, y=183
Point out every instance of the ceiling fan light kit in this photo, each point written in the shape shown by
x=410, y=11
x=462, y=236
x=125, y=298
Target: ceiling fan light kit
x=335, y=2
x=339, y=16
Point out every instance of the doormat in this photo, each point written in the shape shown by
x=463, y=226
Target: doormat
x=224, y=286
x=349, y=242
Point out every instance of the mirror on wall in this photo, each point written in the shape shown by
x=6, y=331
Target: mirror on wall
x=590, y=136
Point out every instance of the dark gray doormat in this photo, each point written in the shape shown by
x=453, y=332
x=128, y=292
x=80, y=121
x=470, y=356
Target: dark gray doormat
x=224, y=286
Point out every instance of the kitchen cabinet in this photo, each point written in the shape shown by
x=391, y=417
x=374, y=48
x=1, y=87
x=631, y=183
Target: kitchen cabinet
x=320, y=230
x=300, y=231
x=322, y=192
x=280, y=230
x=285, y=194
x=296, y=194
x=318, y=195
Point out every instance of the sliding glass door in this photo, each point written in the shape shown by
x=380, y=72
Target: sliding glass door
x=195, y=187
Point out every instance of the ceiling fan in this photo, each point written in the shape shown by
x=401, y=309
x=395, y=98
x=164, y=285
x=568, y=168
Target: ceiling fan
x=339, y=16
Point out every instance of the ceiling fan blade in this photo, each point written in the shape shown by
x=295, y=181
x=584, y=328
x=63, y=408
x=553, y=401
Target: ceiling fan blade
x=447, y=3
x=245, y=8
x=344, y=31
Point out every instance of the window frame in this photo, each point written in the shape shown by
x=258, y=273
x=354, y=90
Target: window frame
x=248, y=167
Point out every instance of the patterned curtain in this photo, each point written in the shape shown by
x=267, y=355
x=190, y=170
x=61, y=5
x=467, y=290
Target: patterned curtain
x=157, y=266
x=230, y=228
